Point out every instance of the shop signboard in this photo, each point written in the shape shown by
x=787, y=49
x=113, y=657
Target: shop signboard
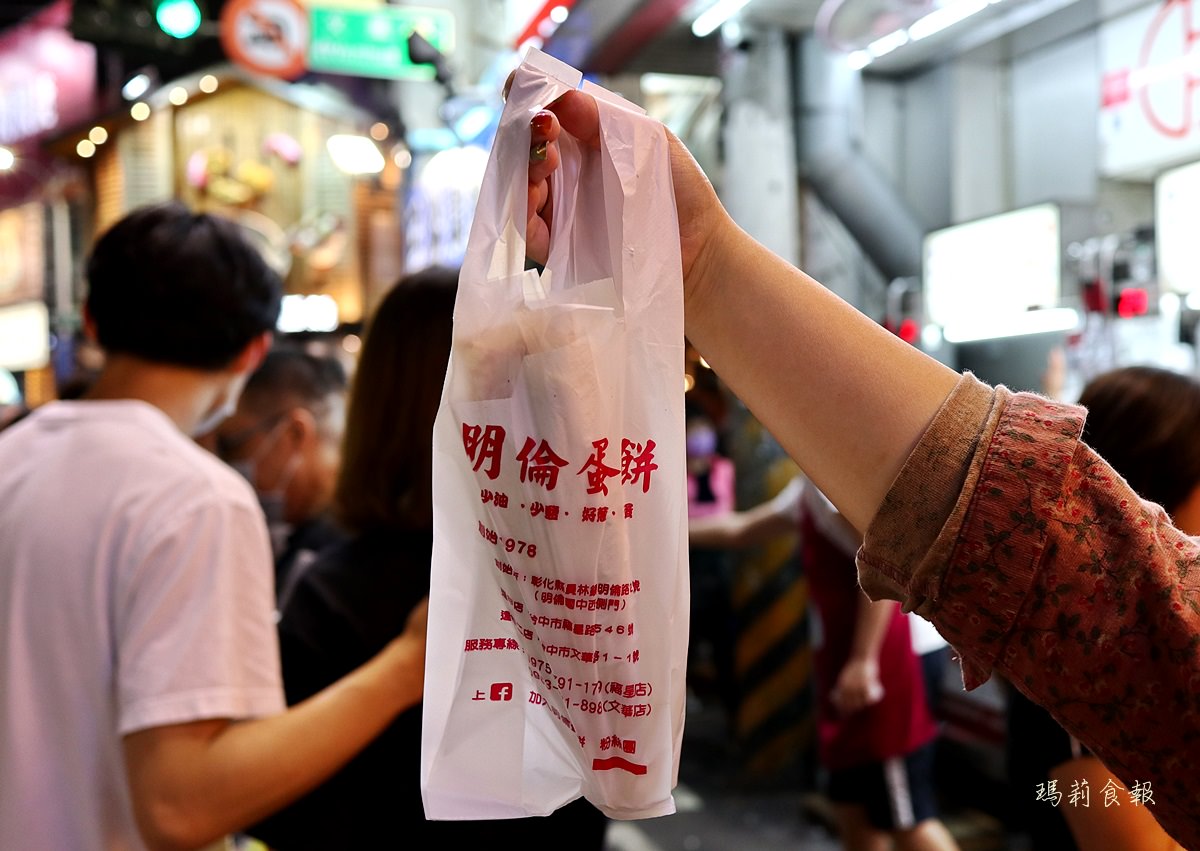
x=1176, y=212
x=988, y=276
x=47, y=78
x=1150, y=91
x=441, y=205
x=21, y=254
x=374, y=42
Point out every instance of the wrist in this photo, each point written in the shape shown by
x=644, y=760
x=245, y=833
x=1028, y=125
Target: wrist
x=705, y=273
x=402, y=672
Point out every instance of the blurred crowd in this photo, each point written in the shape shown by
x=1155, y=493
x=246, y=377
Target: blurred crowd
x=212, y=493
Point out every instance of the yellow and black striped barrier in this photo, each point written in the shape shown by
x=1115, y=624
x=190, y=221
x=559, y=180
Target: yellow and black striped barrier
x=773, y=720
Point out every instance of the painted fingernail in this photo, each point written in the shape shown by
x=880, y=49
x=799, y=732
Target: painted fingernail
x=542, y=122
x=537, y=153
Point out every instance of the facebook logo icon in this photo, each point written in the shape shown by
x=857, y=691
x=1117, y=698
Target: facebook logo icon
x=502, y=691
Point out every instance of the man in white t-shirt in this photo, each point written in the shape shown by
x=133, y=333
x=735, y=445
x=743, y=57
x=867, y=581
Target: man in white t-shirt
x=140, y=696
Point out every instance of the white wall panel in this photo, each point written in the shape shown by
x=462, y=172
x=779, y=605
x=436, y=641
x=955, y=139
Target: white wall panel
x=1055, y=95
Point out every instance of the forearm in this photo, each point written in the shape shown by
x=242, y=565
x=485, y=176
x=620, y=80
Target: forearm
x=192, y=789
x=858, y=684
x=870, y=628
x=261, y=765
x=845, y=398
x=718, y=531
x=754, y=526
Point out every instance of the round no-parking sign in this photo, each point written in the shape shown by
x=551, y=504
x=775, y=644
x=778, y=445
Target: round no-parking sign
x=266, y=36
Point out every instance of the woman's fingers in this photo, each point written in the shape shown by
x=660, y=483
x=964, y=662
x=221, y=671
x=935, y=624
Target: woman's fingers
x=579, y=116
x=575, y=112
x=537, y=225
x=544, y=158
x=544, y=131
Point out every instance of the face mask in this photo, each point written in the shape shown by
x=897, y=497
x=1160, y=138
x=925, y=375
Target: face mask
x=273, y=501
x=221, y=413
x=701, y=444
x=278, y=529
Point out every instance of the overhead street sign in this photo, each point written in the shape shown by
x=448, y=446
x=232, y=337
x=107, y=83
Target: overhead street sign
x=374, y=42
x=266, y=36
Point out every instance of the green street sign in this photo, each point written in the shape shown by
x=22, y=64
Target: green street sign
x=374, y=42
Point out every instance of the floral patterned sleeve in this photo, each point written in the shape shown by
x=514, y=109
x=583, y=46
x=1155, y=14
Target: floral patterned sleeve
x=1034, y=558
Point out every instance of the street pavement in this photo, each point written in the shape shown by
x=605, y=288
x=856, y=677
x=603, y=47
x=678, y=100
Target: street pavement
x=718, y=812
x=715, y=812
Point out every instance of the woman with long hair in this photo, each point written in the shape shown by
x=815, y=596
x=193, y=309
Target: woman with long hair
x=356, y=597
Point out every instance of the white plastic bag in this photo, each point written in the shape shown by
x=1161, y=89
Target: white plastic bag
x=559, y=596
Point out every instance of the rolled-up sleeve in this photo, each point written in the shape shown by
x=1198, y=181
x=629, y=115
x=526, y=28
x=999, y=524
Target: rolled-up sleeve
x=1034, y=558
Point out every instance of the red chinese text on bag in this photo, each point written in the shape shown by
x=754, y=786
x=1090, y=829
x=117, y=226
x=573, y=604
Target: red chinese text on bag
x=559, y=594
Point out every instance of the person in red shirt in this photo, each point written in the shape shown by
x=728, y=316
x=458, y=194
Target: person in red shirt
x=874, y=729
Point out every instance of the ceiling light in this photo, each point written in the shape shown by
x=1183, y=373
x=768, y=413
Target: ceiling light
x=208, y=84
x=718, y=13
x=178, y=96
x=137, y=86
x=886, y=44
x=7, y=159
x=946, y=16
x=859, y=59
x=140, y=111
x=85, y=148
x=98, y=135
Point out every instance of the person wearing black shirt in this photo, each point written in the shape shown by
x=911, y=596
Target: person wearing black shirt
x=356, y=596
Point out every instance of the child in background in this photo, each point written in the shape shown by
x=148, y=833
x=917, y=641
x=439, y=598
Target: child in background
x=710, y=489
x=874, y=731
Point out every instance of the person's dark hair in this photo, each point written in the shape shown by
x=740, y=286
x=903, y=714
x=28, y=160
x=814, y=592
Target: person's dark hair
x=295, y=376
x=172, y=286
x=288, y=378
x=387, y=456
x=1145, y=422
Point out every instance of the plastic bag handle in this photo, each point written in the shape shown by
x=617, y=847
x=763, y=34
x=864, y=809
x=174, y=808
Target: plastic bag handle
x=632, y=148
x=565, y=189
x=644, y=237
x=539, y=79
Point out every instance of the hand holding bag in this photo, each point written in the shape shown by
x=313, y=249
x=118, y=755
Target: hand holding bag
x=559, y=599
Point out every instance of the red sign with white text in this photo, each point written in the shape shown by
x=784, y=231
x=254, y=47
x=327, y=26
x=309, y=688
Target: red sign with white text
x=1149, y=115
